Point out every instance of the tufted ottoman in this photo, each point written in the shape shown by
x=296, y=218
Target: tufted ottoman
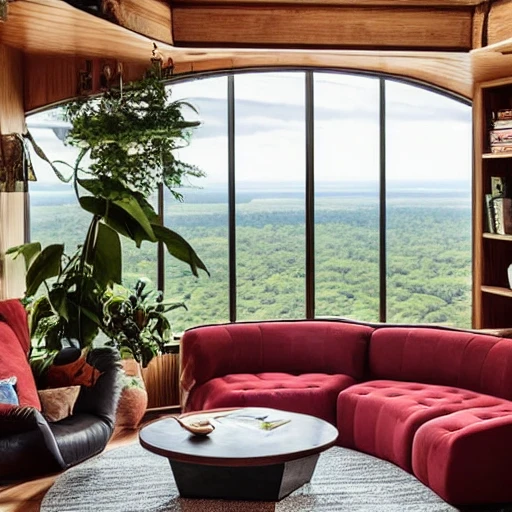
x=465, y=457
x=382, y=417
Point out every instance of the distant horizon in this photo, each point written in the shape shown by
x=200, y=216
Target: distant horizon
x=254, y=185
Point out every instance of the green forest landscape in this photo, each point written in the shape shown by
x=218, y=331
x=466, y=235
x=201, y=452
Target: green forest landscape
x=428, y=247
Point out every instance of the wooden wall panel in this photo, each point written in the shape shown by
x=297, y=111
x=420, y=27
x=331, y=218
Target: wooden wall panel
x=500, y=21
x=53, y=80
x=11, y=91
x=327, y=27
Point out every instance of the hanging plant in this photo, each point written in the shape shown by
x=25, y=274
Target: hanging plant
x=131, y=136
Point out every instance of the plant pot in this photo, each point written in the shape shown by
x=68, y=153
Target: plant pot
x=132, y=407
x=133, y=401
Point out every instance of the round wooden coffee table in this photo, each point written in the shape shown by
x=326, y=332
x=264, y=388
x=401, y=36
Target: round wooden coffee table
x=241, y=459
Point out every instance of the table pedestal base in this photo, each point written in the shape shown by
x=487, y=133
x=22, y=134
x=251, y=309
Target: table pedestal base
x=253, y=483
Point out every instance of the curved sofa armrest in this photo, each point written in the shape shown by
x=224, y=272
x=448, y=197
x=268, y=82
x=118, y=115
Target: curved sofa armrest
x=101, y=399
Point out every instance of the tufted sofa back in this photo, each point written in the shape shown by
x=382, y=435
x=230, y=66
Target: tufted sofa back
x=467, y=360
x=295, y=347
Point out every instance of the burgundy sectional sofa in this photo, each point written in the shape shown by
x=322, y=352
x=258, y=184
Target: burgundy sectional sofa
x=435, y=401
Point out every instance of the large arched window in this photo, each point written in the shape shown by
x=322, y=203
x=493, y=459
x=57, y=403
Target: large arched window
x=327, y=194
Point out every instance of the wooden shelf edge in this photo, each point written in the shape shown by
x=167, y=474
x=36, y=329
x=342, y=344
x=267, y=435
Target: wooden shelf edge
x=497, y=155
x=497, y=290
x=495, y=236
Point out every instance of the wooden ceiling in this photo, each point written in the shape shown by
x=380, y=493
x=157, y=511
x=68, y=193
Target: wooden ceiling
x=427, y=40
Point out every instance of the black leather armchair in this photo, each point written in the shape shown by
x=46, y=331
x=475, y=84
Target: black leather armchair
x=31, y=446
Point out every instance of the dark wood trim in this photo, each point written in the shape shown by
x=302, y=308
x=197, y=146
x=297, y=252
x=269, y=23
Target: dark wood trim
x=310, y=195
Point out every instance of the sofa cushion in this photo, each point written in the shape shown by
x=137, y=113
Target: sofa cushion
x=14, y=363
x=58, y=403
x=446, y=357
x=311, y=393
x=465, y=456
x=382, y=417
x=294, y=347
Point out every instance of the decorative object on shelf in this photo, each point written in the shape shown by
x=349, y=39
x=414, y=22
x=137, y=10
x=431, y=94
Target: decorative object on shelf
x=15, y=164
x=3, y=10
x=509, y=271
x=85, y=85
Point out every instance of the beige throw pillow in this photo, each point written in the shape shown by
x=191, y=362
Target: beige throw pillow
x=58, y=403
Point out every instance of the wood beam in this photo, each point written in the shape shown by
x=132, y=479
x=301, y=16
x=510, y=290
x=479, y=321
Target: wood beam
x=449, y=71
x=338, y=3
x=322, y=27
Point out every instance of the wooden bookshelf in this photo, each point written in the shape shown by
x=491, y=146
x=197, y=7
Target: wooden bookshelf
x=492, y=252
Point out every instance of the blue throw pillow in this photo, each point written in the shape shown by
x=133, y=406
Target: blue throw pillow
x=7, y=392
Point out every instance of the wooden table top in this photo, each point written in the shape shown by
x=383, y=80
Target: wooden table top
x=238, y=439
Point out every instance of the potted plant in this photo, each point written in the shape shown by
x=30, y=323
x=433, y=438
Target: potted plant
x=136, y=321
x=130, y=135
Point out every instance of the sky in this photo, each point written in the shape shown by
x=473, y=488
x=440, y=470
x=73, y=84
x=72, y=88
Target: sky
x=428, y=135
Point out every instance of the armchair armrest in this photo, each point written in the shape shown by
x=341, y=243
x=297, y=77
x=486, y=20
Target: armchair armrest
x=101, y=398
x=16, y=421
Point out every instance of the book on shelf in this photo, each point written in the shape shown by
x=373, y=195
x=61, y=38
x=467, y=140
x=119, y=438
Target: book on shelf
x=503, y=114
x=501, y=138
x=500, y=124
x=490, y=227
x=502, y=208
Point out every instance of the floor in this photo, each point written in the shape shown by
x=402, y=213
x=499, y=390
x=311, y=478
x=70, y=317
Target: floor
x=27, y=496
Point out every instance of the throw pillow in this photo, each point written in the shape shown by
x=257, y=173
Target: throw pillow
x=77, y=373
x=58, y=403
x=8, y=392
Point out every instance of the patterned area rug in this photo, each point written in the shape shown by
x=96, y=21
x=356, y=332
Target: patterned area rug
x=131, y=479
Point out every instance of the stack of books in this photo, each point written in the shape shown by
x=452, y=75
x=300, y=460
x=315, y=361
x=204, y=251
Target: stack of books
x=501, y=134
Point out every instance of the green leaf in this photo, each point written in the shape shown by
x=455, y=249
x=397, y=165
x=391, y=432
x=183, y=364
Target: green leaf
x=133, y=208
x=41, y=154
x=28, y=251
x=179, y=248
x=46, y=265
x=118, y=219
x=107, y=265
x=58, y=300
